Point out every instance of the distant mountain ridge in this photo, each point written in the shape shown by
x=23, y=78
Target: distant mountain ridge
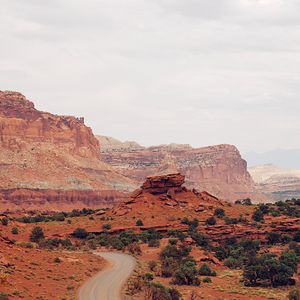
x=277, y=183
x=284, y=158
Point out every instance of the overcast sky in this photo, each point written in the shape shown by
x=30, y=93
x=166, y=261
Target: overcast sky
x=188, y=71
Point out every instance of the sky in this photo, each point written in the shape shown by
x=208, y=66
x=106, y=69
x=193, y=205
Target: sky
x=201, y=72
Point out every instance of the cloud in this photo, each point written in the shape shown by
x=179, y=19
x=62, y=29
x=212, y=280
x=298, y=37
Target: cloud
x=193, y=71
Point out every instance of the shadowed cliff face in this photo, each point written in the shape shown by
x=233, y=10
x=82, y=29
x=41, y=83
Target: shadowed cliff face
x=218, y=169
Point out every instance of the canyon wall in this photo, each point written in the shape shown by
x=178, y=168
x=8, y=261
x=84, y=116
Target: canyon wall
x=277, y=183
x=219, y=169
x=39, y=150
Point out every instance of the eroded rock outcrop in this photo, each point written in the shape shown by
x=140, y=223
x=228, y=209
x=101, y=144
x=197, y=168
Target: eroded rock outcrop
x=57, y=200
x=39, y=150
x=164, y=192
x=218, y=169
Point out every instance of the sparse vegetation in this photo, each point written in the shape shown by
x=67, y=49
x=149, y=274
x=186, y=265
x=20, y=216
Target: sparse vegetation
x=205, y=270
x=80, y=233
x=37, y=234
x=15, y=230
x=4, y=221
x=139, y=222
x=211, y=221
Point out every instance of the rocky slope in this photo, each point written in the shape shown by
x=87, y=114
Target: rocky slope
x=277, y=183
x=218, y=169
x=158, y=195
x=39, y=150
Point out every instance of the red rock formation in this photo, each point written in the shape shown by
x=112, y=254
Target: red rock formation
x=160, y=193
x=21, y=123
x=219, y=169
x=39, y=150
x=162, y=184
x=57, y=200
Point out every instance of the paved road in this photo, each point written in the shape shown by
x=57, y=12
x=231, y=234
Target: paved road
x=107, y=284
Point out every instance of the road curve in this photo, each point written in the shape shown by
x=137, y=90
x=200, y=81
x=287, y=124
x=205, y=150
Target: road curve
x=107, y=284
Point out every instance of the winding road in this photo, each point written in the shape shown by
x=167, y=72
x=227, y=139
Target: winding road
x=107, y=284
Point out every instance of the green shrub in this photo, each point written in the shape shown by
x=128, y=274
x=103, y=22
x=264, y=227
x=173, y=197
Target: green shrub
x=219, y=213
x=37, y=234
x=106, y=226
x=211, y=221
x=233, y=263
x=159, y=292
x=57, y=260
x=4, y=221
x=206, y=280
x=268, y=268
x=80, y=233
x=116, y=243
x=286, y=239
x=139, y=222
x=273, y=238
x=297, y=236
x=186, y=274
x=258, y=216
x=154, y=243
x=152, y=264
x=15, y=230
x=205, y=270
x=173, y=241
x=230, y=221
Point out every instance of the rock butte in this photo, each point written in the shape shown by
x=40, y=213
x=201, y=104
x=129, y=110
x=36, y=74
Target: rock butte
x=219, y=169
x=161, y=193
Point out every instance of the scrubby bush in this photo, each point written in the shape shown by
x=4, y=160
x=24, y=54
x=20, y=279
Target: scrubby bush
x=116, y=243
x=286, y=239
x=37, y=234
x=154, y=243
x=186, y=274
x=258, y=216
x=268, y=268
x=80, y=233
x=206, y=280
x=152, y=265
x=134, y=248
x=230, y=221
x=273, y=238
x=57, y=260
x=139, y=222
x=211, y=221
x=177, y=234
x=219, y=213
x=173, y=241
x=200, y=239
x=205, y=270
x=171, y=258
x=264, y=208
x=106, y=226
x=157, y=291
x=246, y=201
x=15, y=230
x=297, y=236
x=4, y=221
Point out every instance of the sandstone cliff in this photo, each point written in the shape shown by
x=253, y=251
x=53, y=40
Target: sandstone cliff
x=277, y=183
x=218, y=169
x=39, y=150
